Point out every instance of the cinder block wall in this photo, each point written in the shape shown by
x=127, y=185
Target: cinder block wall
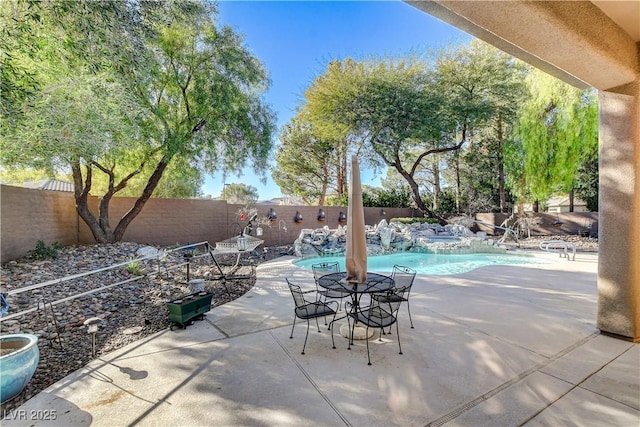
x=572, y=222
x=165, y=221
x=28, y=215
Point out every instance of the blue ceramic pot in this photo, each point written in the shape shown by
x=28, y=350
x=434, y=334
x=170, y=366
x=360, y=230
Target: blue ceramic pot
x=19, y=357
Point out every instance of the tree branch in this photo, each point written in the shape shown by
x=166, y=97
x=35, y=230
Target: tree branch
x=440, y=150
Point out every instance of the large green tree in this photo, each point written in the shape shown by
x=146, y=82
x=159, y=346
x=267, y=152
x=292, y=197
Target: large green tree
x=389, y=110
x=308, y=165
x=240, y=194
x=557, y=132
x=159, y=83
x=484, y=88
x=407, y=113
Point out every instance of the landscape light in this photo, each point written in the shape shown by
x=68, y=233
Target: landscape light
x=92, y=328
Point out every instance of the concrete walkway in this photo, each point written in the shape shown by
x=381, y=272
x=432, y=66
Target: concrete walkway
x=500, y=346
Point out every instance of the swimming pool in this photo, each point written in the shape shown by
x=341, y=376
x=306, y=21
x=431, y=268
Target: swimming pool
x=428, y=263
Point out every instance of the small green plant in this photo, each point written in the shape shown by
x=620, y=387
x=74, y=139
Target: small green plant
x=134, y=268
x=42, y=251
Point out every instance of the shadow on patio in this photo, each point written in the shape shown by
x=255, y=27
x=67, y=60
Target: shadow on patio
x=502, y=345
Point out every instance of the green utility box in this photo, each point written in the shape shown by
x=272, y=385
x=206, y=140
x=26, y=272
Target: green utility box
x=183, y=310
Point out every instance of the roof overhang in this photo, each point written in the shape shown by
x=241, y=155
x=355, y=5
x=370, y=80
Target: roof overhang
x=575, y=41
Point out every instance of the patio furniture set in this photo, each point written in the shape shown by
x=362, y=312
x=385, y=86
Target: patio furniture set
x=374, y=303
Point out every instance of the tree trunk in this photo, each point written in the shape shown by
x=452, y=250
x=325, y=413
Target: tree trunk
x=344, y=188
x=140, y=202
x=503, y=196
x=341, y=173
x=325, y=185
x=323, y=196
x=436, y=184
x=100, y=227
x=81, y=194
x=458, y=182
x=571, y=200
x=415, y=192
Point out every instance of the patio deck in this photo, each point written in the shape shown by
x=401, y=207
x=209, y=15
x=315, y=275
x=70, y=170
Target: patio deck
x=499, y=346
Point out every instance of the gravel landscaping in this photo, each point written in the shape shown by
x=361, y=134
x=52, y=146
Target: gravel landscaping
x=128, y=312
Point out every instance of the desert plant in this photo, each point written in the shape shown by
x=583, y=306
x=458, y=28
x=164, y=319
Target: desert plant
x=42, y=251
x=135, y=269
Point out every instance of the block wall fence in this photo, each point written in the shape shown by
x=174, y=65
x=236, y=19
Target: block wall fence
x=28, y=215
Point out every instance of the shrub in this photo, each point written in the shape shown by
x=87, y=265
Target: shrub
x=42, y=251
x=134, y=268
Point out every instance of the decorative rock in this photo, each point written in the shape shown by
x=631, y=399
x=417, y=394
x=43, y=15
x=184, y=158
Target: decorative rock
x=149, y=251
x=386, y=238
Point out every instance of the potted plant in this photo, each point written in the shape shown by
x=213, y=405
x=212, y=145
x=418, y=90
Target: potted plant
x=19, y=357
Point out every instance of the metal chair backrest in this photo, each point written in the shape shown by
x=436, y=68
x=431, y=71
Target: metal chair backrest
x=383, y=312
x=298, y=297
x=403, y=277
x=392, y=305
x=322, y=268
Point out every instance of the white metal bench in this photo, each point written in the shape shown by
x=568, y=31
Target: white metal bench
x=559, y=246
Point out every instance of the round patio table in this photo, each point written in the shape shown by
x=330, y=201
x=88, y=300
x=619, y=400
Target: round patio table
x=375, y=283
x=337, y=282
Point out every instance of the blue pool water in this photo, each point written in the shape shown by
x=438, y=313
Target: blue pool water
x=428, y=263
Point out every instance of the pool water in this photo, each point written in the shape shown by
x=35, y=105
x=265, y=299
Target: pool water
x=428, y=263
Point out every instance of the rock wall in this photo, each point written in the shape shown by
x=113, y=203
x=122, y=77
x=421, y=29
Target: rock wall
x=385, y=238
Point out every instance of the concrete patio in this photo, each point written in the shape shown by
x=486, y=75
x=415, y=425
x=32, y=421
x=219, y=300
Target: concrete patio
x=499, y=346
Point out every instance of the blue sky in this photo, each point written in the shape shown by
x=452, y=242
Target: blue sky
x=295, y=40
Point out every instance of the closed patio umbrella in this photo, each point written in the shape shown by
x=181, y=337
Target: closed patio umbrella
x=356, y=256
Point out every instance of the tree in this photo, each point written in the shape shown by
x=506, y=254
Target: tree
x=175, y=88
x=557, y=132
x=406, y=114
x=388, y=110
x=59, y=100
x=240, y=194
x=587, y=186
x=386, y=197
x=307, y=165
x=485, y=88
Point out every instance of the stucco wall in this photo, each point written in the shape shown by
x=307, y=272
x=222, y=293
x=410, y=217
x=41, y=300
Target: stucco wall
x=618, y=265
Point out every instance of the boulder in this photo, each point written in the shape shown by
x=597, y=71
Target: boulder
x=395, y=237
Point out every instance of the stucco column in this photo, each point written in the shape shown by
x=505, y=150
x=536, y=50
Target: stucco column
x=619, y=212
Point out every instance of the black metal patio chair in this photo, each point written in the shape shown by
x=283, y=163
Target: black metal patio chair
x=379, y=315
x=319, y=270
x=403, y=279
x=309, y=310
